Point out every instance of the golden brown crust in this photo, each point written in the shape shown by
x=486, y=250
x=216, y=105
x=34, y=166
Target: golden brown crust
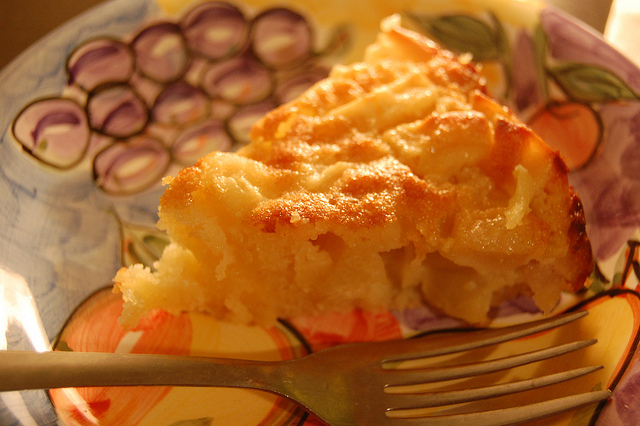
x=580, y=247
x=395, y=182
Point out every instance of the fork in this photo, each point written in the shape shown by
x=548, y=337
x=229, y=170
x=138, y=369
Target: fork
x=352, y=384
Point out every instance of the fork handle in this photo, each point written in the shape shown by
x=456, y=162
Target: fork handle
x=21, y=370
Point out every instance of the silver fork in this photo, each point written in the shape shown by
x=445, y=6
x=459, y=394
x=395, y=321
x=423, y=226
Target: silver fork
x=344, y=385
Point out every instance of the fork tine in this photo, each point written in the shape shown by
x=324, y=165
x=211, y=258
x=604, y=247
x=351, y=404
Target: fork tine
x=435, y=345
x=505, y=416
x=401, y=376
x=420, y=399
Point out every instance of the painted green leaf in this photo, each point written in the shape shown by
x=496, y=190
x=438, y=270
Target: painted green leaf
x=588, y=83
x=141, y=244
x=540, y=42
x=599, y=282
x=463, y=33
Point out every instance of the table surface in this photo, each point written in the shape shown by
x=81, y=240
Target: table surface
x=23, y=22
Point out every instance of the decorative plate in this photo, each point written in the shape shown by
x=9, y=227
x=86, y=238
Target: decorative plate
x=95, y=114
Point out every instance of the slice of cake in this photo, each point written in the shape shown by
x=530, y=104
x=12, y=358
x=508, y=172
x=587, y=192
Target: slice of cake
x=395, y=182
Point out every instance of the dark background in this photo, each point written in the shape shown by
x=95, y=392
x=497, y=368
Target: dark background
x=23, y=22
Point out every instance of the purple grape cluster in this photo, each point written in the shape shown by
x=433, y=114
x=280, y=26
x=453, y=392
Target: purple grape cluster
x=173, y=92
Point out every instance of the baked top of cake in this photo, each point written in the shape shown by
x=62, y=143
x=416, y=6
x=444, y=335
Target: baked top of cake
x=395, y=182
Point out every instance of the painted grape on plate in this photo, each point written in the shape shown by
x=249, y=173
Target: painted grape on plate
x=149, y=94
